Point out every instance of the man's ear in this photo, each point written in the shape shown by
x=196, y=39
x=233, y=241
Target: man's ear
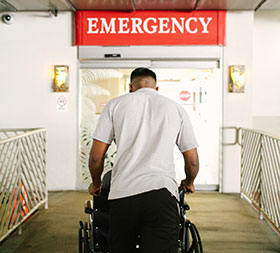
x=130, y=88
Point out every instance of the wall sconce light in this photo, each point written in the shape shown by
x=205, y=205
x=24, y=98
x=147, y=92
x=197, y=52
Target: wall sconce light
x=236, y=78
x=61, y=78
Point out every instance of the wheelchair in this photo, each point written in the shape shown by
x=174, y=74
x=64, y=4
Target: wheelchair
x=93, y=233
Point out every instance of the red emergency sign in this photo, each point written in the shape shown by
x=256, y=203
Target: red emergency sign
x=184, y=95
x=109, y=28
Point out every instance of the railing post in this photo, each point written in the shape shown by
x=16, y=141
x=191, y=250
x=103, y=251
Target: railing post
x=47, y=200
x=241, y=167
x=19, y=157
x=45, y=157
x=260, y=176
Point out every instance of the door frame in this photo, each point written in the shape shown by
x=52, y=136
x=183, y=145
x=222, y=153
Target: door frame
x=100, y=57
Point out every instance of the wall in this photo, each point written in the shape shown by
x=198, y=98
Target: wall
x=35, y=42
x=28, y=50
x=266, y=102
x=237, y=106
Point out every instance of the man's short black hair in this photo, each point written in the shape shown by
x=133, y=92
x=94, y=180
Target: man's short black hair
x=142, y=72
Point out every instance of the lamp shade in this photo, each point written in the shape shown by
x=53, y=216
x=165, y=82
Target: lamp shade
x=61, y=78
x=237, y=78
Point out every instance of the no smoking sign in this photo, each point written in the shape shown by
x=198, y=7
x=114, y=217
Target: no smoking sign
x=61, y=103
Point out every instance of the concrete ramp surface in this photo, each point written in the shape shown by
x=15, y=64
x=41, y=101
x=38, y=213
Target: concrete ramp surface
x=227, y=224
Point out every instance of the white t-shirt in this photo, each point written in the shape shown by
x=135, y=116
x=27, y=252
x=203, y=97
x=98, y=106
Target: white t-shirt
x=146, y=127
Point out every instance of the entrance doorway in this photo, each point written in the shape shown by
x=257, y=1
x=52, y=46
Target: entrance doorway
x=198, y=89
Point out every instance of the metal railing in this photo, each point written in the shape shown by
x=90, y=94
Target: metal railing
x=260, y=173
x=22, y=176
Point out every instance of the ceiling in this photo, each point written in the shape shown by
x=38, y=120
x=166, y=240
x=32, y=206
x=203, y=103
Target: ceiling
x=133, y=5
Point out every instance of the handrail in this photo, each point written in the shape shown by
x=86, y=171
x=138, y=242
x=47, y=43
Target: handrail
x=261, y=132
x=30, y=131
x=236, y=135
x=22, y=176
x=260, y=173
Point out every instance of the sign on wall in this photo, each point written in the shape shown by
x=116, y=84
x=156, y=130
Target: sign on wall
x=61, y=103
x=109, y=28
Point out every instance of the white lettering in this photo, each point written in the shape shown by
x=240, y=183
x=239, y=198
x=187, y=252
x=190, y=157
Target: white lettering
x=149, y=25
x=123, y=22
x=163, y=24
x=145, y=25
x=179, y=26
x=187, y=25
x=136, y=24
x=92, y=23
x=205, y=25
x=106, y=28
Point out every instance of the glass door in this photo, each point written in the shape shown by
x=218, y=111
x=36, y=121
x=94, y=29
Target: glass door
x=196, y=86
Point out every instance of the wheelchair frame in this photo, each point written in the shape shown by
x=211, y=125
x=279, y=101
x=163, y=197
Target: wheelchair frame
x=189, y=238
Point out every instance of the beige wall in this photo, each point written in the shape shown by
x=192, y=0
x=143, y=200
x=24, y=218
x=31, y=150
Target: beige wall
x=266, y=92
x=28, y=50
x=237, y=106
x=35, y=42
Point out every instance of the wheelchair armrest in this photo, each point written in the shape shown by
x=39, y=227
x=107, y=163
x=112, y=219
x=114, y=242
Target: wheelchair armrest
x=89, y=206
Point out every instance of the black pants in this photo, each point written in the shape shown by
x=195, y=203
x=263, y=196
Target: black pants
x=152, y=215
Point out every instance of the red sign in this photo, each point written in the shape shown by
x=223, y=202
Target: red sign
x=184, y=95
x=109, y=28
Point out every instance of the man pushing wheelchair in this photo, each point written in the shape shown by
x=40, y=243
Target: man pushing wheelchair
x=143, y=197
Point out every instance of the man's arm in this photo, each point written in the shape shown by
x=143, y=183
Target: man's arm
x=191, y=169
x=96, y=164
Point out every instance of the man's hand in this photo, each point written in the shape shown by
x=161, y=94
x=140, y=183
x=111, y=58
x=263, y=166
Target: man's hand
x=93, y=190
x=188, y=187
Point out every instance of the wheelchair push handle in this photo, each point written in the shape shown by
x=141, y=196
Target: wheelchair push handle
x=88, y=206
x=182, y=201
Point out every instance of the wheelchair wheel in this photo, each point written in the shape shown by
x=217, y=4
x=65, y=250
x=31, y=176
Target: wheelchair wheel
x=191, y=240
x=86, y=239
x=80, y=239
x=200, y=250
